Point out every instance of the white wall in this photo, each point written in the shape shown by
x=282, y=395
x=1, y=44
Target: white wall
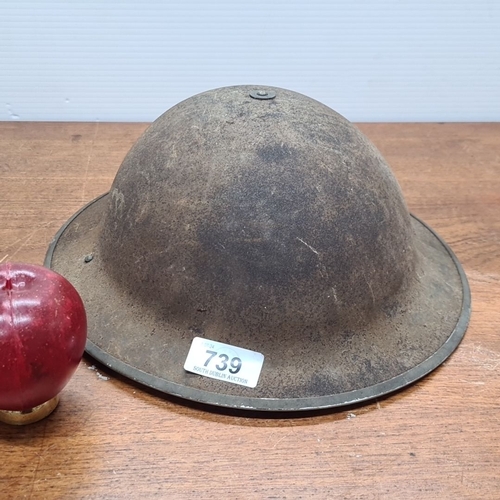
x=371, y=60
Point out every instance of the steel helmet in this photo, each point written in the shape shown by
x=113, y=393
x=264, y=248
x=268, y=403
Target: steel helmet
x=261, y=218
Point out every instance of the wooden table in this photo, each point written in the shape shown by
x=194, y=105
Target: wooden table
x=437, y=439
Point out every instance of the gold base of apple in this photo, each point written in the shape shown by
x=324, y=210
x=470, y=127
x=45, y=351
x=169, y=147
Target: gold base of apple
x=29, y=416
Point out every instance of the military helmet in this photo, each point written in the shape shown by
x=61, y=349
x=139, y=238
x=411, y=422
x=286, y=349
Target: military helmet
x=260, y=218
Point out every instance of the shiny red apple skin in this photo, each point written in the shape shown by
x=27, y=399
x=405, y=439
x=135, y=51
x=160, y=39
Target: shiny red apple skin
x=43, y=329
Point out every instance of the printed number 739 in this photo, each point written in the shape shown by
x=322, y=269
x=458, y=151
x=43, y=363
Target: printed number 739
x=235, y=363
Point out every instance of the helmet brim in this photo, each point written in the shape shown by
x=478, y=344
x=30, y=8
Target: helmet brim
x=328, y=370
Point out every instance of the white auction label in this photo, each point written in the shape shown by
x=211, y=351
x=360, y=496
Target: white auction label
x=224, y=362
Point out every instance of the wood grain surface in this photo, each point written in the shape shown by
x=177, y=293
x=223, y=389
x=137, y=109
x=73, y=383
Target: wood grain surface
x=438, y=439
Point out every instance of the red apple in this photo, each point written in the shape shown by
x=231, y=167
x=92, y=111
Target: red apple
x=43, y=328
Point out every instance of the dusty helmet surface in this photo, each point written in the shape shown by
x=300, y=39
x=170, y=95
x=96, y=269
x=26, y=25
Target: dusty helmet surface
x=262, y=219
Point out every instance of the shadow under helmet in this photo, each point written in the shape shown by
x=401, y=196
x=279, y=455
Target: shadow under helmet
x=262, y=219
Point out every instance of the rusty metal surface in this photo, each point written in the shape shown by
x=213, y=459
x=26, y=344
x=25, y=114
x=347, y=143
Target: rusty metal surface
x=272, y=225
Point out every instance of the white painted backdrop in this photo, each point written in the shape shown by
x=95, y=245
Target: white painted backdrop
x=130, y=60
